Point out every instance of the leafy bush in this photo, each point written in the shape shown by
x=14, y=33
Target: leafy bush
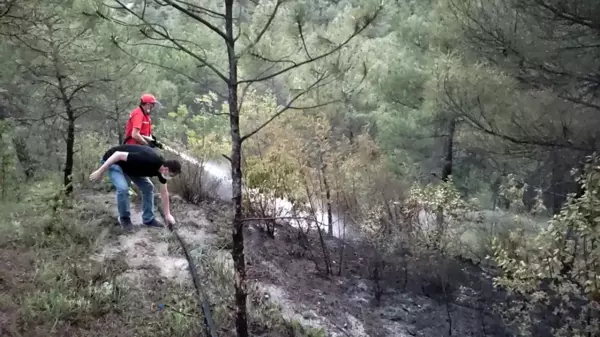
x=8, y=161
x=482, y=228
x=194, y=184
x=268, y=181
x=69, y=286
x=424, y=233
x=557, y=274
x=88, y=152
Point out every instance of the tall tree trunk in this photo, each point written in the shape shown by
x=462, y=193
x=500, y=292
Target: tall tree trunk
x=495, y=187
x=555, y=190
x=446, y=173
x=328, y=200
x=449, y=152
x=70, y=139
x=23, y=156
x=68, y=171
x=239, y=263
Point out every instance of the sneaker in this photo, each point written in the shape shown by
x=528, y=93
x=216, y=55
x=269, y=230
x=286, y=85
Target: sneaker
x=154, y=223
x=126, y=224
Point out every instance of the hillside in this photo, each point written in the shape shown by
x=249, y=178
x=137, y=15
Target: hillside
x=132, y=276
x=388, y=168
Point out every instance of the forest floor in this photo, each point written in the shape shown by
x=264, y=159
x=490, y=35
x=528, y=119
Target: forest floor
x=86, y=277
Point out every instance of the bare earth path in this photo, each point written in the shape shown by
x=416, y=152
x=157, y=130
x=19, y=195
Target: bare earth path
x=341, y=305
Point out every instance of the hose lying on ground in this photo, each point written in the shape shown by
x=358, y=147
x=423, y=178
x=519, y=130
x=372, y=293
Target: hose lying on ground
x=209, y=324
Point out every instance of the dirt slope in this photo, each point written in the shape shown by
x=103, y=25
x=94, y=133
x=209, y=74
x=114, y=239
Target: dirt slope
x=282, y=272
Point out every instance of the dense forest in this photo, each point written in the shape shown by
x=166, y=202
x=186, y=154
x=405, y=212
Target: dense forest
x=425, y=137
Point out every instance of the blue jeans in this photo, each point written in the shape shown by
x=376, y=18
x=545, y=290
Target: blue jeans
x=121, y=182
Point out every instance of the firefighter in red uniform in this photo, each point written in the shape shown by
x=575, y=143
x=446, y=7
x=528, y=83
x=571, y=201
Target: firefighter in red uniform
x=138, y=129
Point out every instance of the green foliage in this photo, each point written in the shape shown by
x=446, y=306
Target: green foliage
x=68, y=286
x=378, y=121
x=63, y=295
x=8, y=161
x=272, y=175
x=202, y=133
x=297, y=330
x=89, y=150
x=557, y=273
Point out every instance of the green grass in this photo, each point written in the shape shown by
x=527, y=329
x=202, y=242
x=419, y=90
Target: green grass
x=59, y=288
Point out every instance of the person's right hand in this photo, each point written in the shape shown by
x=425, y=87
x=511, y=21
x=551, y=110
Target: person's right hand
x=170, y=221
x=155, y=143
x=95, y=176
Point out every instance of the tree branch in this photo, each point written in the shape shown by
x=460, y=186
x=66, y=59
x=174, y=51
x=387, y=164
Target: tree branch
x=570, y=18
x=330, y=52
x=7, y=7
x=315, y=106
x=199, y=19
x=205, y=10
x=85, y=85
x=281, y=60
x=247, y=87
x=490, y=130
x=344, y=93
x=285, y=108
x=302, y=37
x=166, y=36
x=263, y=30
x=193, y=79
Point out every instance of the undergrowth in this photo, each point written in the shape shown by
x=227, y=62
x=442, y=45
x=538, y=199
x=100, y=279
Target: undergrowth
x=63, y=288
x=216, y=269
x=67, y=287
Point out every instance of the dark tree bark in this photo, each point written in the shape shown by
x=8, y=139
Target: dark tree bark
x=23, y=156
x=70, y=136
x=556, y=182
x=449, y=152
x=446, y=173
x=327, y=201
x=239, y=262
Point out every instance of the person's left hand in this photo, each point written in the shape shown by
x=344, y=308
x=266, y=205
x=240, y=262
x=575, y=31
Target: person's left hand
x=95, y=176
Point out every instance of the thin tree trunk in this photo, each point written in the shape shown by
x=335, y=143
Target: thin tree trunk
x=70, y=139
x=446, y=173
x=23, y=156
x=328, y=201
x=68, y=171
x=239, y=263
x=556, y=182
x=495, y=187
x=448, y=159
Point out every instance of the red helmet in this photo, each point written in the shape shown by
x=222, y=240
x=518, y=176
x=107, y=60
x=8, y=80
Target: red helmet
x=148, y=99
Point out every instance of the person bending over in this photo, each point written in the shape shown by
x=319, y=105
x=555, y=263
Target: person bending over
x=138, y=162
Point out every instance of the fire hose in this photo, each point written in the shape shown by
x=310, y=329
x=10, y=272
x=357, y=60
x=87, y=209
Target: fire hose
x=209, y=324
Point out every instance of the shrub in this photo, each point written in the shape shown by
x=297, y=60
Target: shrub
x=194, y=184
x=88, y=151
x=268, y=181
x=557, y=274
x=216, y=268
x=68, y=285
